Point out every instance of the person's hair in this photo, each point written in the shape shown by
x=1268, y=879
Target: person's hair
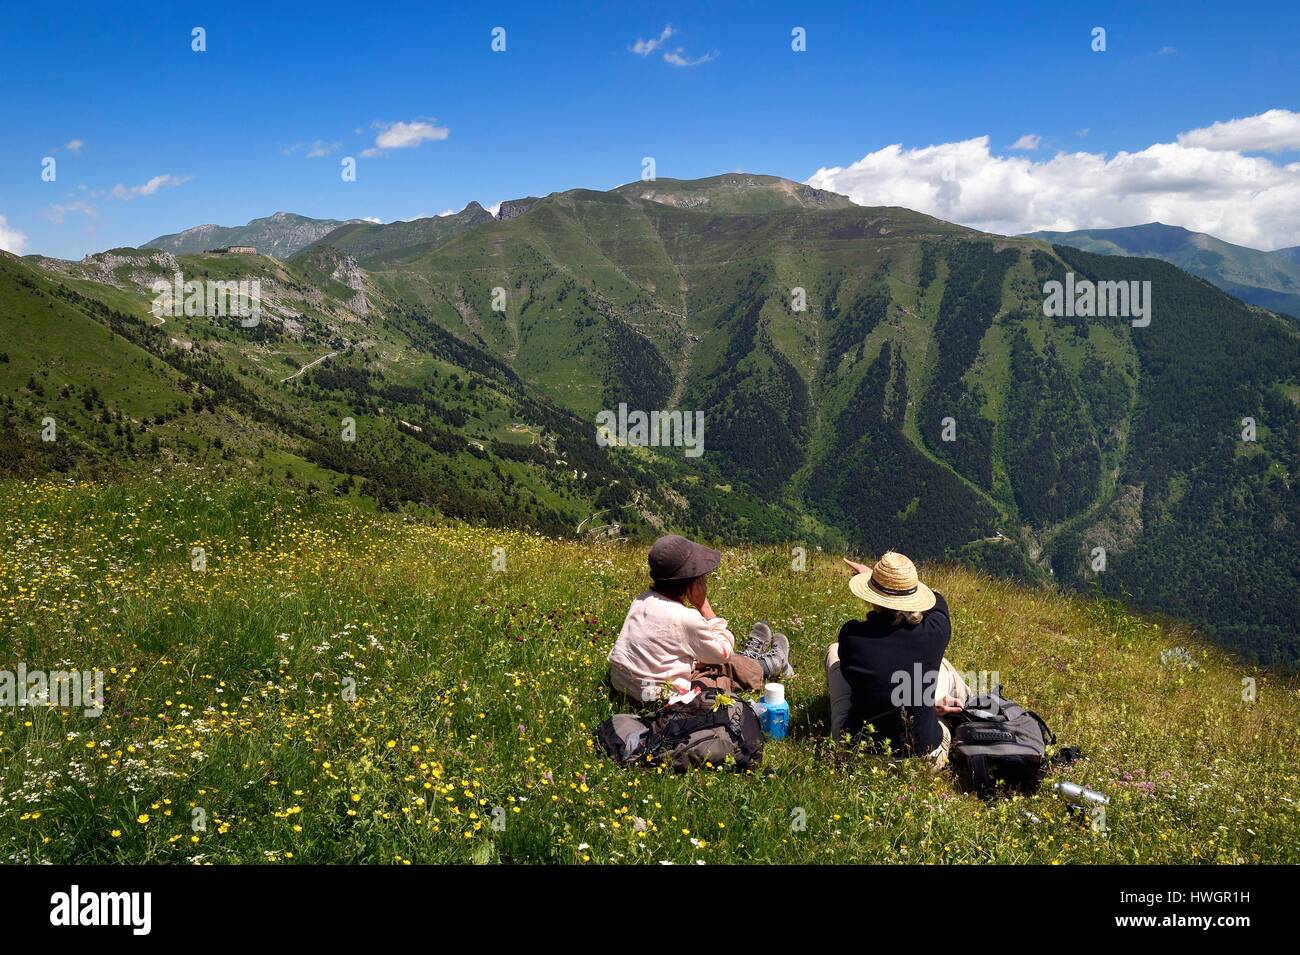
x=672, y=589
x=900, y=617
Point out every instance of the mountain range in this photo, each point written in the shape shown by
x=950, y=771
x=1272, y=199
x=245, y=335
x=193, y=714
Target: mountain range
x=870, y=378
x=1270, y=279
x=280, y=235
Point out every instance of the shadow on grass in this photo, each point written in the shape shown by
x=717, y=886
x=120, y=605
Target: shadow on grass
x=812, y=721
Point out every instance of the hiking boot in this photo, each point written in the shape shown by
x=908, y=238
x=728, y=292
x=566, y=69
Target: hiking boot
x=780, y=639
x=776, y=661
x=759, y=642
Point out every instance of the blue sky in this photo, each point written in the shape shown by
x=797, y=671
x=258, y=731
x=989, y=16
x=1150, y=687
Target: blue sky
x=115, y=95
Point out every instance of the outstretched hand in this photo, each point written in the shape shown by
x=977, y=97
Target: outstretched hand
x=857, y=568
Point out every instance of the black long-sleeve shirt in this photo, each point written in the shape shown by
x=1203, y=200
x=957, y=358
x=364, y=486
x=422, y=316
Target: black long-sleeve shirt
x=892, y=671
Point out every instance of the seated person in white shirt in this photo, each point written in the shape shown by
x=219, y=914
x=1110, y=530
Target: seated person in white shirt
x=664, y=643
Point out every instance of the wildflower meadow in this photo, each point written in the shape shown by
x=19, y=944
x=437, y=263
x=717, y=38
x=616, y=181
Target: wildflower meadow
x=293, y=678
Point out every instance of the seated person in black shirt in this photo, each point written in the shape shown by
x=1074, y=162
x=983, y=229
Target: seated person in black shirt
x=888, y=679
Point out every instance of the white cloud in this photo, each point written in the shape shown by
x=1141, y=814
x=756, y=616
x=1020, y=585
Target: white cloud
x=678, y=57
x=59, y=210
x=314, y=149
x=1271, y=131
x=1249, y=200
x=403, y=135
x=495, y=208
x=646, y=47
x=74, y=146
x=127, y=193
x=374, y=219
x=1028, y=142
x=11, y=240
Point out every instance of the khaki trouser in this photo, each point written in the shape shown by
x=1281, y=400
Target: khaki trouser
x=738, y=673
x=949, y=683
x=745, y=672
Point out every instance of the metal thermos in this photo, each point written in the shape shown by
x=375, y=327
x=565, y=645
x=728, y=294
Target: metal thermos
x=1077, y=794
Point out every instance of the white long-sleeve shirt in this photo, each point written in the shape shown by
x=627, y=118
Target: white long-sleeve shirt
x=660, y=643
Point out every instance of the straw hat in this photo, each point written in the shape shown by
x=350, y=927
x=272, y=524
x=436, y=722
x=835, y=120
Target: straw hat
x=892, y=583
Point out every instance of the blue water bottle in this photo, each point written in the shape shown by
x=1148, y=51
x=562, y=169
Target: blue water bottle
x=776, y=711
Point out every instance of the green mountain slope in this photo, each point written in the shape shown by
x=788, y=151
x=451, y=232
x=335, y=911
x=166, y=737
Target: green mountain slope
x=868, y=378
x=438, y=424
x=371, y=244
x=1269, y=279
x=837, y=412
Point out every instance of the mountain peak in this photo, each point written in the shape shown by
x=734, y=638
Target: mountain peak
x=473, y=214
x=735, y=192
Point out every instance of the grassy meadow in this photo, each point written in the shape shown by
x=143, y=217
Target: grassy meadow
x=338, y=686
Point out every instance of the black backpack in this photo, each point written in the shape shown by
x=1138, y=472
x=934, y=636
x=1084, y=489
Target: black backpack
x=682, y=735
x=999, y=746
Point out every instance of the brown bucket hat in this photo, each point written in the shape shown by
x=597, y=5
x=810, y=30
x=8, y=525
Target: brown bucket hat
x=674, y=558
